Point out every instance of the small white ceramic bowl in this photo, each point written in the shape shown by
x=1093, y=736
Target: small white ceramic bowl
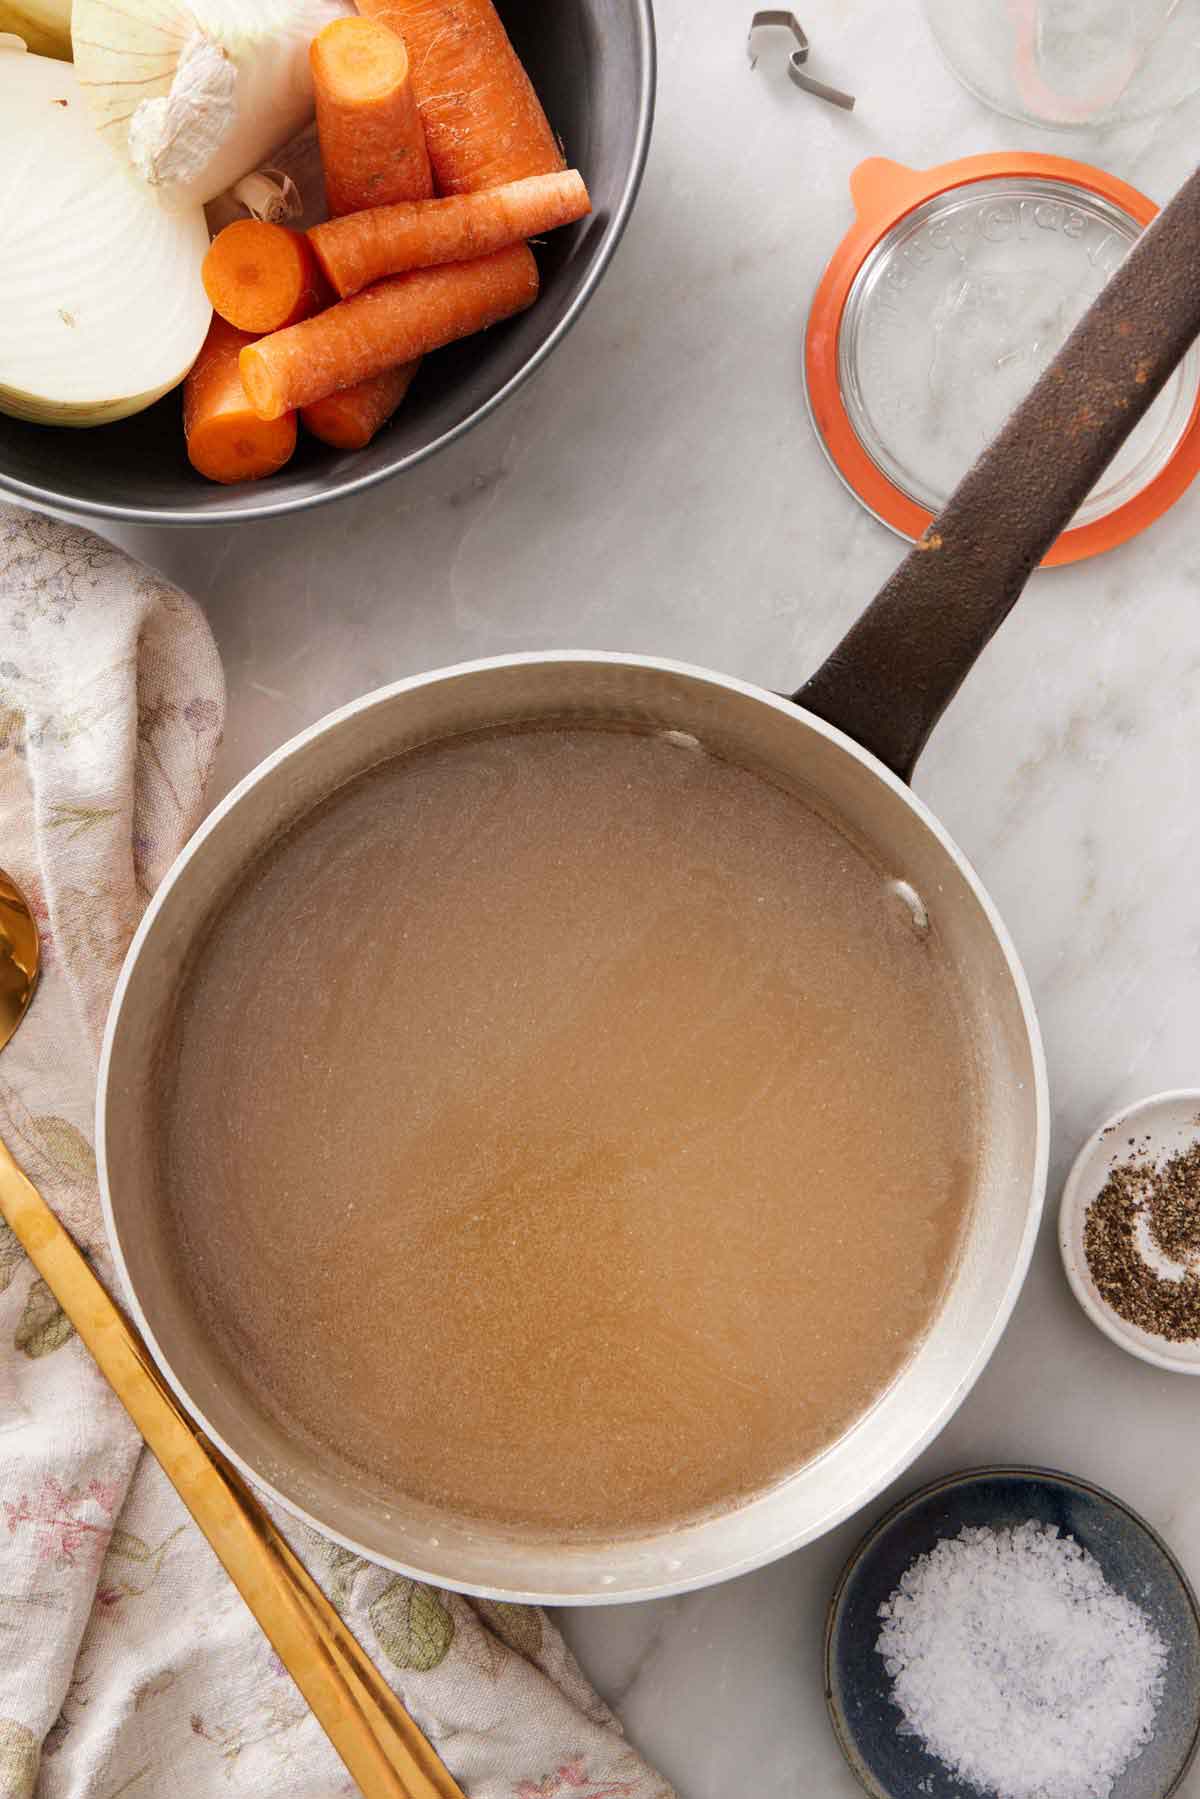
x=1161, y=1125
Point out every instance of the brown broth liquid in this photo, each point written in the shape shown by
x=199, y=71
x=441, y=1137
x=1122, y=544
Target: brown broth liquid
x=568, y=1129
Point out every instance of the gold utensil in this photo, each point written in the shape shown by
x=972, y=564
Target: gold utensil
x=380, y=1744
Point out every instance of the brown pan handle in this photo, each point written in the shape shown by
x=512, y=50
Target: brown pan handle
x=894, y=673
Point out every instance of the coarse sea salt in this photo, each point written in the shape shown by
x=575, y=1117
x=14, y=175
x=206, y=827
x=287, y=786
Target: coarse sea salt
x=1018, y=1666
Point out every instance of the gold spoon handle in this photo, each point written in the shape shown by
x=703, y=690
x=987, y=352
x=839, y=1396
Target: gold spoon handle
x=381, y=1746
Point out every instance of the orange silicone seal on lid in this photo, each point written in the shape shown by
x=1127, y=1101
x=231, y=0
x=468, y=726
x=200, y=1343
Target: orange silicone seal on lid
x=948, y=295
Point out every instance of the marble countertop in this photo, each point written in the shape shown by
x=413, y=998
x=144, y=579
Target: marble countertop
x=658, y=489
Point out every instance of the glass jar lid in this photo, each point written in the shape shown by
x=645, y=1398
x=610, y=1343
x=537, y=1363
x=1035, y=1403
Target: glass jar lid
x=951, y=292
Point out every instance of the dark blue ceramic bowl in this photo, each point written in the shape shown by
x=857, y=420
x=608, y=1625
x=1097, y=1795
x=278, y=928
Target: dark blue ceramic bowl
x=1134, y=1561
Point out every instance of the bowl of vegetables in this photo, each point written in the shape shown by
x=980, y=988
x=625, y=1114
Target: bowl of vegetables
x=256, y=254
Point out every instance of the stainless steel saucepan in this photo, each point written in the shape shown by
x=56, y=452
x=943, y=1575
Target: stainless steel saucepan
x=852, y=734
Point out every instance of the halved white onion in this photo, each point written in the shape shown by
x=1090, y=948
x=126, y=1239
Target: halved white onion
x=102, y=307
x=43, y=25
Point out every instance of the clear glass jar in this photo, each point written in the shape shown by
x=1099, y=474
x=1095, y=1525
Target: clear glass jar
x=1072, y=64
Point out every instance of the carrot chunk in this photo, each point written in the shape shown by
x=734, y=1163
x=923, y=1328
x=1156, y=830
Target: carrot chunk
x=389, y=240
x=484, y=124
x=349, y=418
x=261, y=277
x=368, y=127
x=397, y=320
x=373, y=153
x=226, y=439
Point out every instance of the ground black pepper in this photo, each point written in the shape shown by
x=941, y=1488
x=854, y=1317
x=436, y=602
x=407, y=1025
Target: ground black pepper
x=1167, y=1198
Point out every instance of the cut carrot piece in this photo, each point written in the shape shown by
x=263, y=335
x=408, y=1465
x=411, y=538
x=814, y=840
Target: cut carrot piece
x=226, y=440
x=484, y=124
x=395, y=321
x=370, y=132
x=389, y=240
x=373, y=154
x=350, y=418
x=262, y=277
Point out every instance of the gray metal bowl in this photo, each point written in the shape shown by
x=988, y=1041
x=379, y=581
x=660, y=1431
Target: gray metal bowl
x=592, y=62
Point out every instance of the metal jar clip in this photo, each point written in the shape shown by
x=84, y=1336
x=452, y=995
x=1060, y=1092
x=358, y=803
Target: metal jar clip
x=798, y=57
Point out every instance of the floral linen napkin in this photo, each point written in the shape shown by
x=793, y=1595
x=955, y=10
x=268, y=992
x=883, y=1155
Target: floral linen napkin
x=128, y=1663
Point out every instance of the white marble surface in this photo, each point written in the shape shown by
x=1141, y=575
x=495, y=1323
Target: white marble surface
x=658, y=489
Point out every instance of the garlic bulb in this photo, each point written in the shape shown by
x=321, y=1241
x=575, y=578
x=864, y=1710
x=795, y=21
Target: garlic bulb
x=269, y=195
x=195, y=96
x=102, y=307
x=290, y=191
